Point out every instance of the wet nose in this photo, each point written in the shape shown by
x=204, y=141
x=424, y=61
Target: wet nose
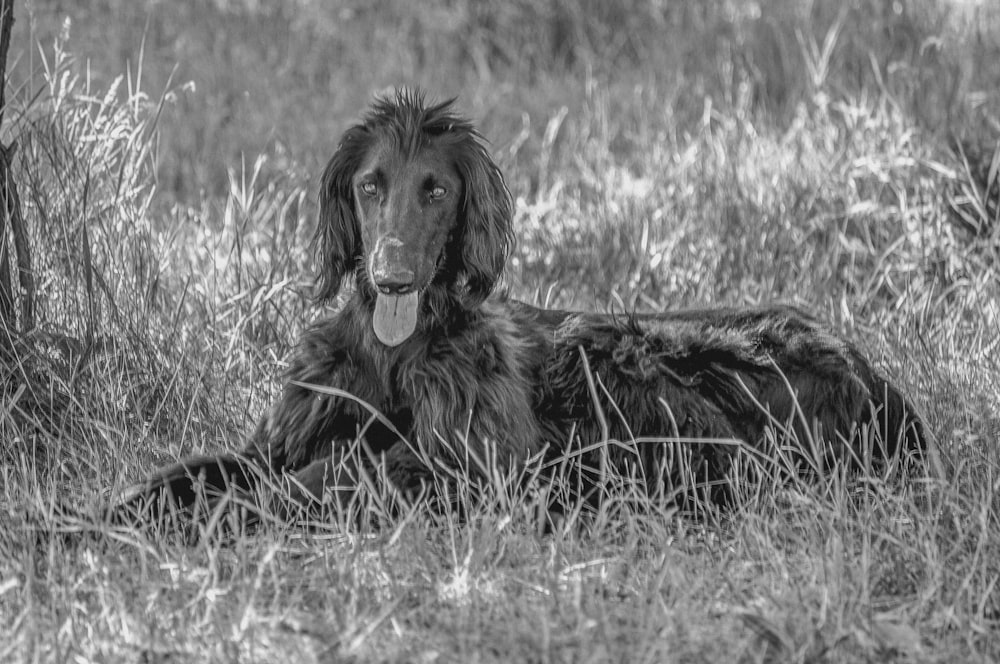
x=393, y=282
x=389, y=273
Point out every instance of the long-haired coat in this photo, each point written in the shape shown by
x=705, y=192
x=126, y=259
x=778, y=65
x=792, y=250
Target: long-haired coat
x=416, y=214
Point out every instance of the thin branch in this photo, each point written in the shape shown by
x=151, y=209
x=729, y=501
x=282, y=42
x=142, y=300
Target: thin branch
x=12, y=203
x=6, y=23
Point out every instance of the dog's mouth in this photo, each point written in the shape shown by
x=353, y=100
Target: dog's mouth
x=395, y=317
x=397, y=297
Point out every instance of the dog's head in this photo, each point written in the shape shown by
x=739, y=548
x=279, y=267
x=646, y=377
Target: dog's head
x=411, y=200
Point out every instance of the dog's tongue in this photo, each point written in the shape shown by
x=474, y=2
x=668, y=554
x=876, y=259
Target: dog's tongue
x=395, y=317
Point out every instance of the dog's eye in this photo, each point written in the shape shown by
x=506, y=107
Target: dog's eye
x=438, y=192
x=369, y=188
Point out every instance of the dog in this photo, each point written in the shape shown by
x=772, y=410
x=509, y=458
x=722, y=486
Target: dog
x=425, y=364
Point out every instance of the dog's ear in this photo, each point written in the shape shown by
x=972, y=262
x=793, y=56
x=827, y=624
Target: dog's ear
x=338, y=236
x=485, y=233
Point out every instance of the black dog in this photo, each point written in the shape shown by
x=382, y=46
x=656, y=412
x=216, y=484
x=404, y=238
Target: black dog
x=415, y=210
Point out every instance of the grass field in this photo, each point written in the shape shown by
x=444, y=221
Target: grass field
x=841, y=156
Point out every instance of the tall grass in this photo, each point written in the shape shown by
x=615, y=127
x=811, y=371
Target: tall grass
x=842, y=156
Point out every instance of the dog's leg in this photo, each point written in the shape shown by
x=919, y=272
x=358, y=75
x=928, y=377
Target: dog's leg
x=178, y=487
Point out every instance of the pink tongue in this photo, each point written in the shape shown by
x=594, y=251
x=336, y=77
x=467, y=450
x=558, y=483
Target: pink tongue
x=395, y=317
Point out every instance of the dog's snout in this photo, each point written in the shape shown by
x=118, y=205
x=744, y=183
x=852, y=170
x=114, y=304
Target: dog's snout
x=388, y=268
x=393, y=282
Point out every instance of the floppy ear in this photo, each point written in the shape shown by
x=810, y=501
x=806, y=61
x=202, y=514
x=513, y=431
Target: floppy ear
x=485, y=232
x=338, y=236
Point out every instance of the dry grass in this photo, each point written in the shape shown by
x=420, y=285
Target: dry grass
x=662, y=154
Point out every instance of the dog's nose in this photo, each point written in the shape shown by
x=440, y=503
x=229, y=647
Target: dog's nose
x=388, y=267
x=392, y=281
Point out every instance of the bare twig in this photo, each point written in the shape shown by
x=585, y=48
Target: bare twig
x=6, y=289
x=6, y=23
x=12, y=205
